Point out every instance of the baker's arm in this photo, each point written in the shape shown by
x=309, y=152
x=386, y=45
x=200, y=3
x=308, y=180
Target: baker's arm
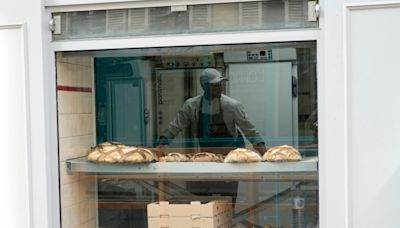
x=260, y=147
x=180, y=122
x=248, y=128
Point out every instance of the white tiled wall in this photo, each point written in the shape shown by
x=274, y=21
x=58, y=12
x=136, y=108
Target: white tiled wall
x=75, y=124
x=75, y=120
x=74, y=102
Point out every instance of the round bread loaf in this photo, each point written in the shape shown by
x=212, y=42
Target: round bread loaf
x=111, y=152
x=206, y=157
x=242, y=155
x=282, y=153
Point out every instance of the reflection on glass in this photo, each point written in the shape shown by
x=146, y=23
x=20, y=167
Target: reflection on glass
x=190, y=100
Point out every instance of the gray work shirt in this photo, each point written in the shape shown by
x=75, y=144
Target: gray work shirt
x=233, y=115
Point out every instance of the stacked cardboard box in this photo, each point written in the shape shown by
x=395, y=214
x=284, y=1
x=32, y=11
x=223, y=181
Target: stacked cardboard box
x=193, y=214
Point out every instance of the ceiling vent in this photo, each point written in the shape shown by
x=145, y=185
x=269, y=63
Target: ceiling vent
x=296, y=11
x=200, y=16
x=137, y=19
x=116, y=21
x=250, y=13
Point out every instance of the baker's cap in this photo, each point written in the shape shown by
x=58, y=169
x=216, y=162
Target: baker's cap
x=211, y=76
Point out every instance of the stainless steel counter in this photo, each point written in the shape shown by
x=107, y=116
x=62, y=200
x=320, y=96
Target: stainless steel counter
x=307, y=169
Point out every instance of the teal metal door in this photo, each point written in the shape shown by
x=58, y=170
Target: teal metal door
x=125, y=104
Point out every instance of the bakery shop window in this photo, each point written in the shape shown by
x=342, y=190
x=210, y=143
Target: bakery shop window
x=230, y=131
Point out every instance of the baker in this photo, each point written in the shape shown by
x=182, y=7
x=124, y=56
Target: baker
x=214, y=118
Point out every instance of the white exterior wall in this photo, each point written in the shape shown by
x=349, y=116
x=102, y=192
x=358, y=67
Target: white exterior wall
x=359, y=165
x=372, y=74
x=14, y=128
x=26, y=195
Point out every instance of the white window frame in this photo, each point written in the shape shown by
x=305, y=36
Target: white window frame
x=327, y=187
x=84, y=5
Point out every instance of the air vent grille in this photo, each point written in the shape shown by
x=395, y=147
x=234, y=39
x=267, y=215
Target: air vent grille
x=200, y=16
x=296, y=10
x=250, y=13
x=137, y=19
x=116, y=21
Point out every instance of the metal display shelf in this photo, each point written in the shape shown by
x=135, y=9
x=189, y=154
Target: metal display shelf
x=307, y=169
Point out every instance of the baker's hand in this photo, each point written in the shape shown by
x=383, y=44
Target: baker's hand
x=260, y=148
x=161, y=150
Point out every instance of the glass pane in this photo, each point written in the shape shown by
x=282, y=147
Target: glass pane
x=147, y=134
x=242, y=16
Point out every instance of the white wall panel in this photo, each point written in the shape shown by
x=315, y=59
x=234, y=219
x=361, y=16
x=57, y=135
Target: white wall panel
x=373, y=78
x=40, y=95
x=14, y=197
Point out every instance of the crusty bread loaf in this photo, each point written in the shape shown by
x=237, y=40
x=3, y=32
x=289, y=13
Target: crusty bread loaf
x=207, y=157
x=105, y=152
x=118, y=153
x=174, y=157
x=282, y=153
x=242, y=155
x=140, y=155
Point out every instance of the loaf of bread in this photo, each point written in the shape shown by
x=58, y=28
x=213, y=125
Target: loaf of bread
x=105, y=152
x=140, y=155
x=111, y=152
x=282, y=153
x=242, y=155
x=206, y=157
x=174, y=157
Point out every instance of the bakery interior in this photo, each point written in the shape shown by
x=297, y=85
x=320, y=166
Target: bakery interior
x=131, y=95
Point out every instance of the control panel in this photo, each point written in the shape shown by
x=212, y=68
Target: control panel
x=259, y=55
x=188, y=61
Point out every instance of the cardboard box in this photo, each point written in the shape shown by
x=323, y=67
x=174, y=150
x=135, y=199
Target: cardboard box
x=191, y=214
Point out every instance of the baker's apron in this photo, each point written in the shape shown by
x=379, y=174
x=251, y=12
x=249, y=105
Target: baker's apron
x=213, y=132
